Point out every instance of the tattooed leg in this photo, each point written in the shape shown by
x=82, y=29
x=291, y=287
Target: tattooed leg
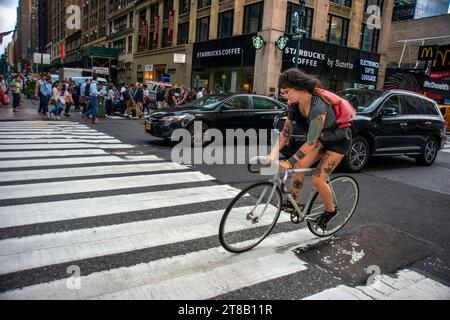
x=329, y=162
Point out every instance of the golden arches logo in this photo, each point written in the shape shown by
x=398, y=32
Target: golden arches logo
x=427, y=52
x=443, y=57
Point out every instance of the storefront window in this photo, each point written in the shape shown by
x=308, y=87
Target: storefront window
x=183, y=31
x=369, y=39
x=293, y=19
x=225, y=24
x=253, y=16
x=184, y=6
x=203, y=29
x=337, y=31
x=347, y=3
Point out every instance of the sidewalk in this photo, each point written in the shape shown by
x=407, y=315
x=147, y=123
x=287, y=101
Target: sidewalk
x=26, y=111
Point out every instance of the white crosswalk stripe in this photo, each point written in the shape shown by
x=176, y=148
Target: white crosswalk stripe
x=129, y=219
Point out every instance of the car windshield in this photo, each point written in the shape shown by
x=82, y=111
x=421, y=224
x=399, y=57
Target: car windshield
x=362, y=101
x=208, y=102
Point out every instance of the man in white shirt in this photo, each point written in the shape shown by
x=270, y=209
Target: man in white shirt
x=201, y=93
x=93, y=102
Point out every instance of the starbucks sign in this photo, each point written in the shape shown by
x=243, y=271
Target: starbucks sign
x=258, y=42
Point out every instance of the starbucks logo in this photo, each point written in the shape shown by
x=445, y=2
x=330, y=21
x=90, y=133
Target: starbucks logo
x=258, y=42
x=281, y=42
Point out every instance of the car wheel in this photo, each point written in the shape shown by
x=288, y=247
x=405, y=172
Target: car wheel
x=429, y=153
x=195, y=136
x=358, y=156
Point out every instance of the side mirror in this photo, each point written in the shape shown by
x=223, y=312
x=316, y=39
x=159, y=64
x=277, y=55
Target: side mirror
x=389, y=112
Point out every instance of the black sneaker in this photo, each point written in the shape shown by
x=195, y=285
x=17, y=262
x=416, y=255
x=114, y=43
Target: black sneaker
x=325, y=218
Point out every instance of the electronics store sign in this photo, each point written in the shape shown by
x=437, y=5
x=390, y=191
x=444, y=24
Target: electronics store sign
x=369, y=70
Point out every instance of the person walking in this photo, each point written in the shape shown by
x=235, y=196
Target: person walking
x=42, y=82
x=68, y=101
x=109, y=99
x=93, y=101
x=183, y=96
x=56, y=102
x=15, y=86
x=160, y=94
x=146, y=100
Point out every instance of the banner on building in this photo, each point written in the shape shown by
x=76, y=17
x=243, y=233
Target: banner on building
x=143, y=31
x=155, y=31
x=170, y=27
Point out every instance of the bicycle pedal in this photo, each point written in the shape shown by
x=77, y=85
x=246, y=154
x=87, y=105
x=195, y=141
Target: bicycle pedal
x=295, y=218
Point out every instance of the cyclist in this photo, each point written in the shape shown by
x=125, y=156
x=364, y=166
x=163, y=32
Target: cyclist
x=325, y=140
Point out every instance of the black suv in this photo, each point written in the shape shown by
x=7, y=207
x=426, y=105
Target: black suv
x=394, y=122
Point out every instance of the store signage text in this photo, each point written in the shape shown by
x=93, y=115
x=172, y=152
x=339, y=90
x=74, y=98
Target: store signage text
x=218, y=53
x=434, y=85
x=369, y=73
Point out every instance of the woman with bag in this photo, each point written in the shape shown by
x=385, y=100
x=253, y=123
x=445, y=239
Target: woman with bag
x=55, y=100
x=327, y=140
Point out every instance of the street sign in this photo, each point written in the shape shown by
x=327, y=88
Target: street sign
x=179, y=58
x=101, y=70
x=41, y=58
x=297, y=36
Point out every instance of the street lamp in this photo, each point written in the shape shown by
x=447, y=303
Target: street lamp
x=299, y=32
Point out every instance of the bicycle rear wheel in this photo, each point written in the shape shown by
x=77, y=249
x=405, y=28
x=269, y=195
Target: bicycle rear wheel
x=250, y=217
x=345, y=195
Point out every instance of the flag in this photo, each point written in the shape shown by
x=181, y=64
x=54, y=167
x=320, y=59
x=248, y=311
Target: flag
x=4, y=34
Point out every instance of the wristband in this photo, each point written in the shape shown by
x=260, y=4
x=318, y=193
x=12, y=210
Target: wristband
x=292, y=161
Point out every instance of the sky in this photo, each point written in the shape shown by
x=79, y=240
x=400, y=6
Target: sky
x=8, y=13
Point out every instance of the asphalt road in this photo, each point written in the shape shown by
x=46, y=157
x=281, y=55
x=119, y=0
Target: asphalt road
x=394, y=191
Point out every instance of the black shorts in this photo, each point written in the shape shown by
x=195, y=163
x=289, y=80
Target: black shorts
x=341, y=146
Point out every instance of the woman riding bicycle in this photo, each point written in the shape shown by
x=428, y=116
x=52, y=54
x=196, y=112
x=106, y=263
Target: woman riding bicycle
x=326, y=141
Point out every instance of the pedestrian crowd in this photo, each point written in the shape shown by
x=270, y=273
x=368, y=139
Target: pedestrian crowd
x=94, y=98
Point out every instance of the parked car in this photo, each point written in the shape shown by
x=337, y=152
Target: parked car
x=220, y=111
x=387, y=123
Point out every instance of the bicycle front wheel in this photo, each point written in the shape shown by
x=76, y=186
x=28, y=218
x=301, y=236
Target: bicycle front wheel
x=345, y=196
x=250, y=217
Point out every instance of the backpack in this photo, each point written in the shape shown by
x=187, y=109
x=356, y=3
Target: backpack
x=87, y=90
x=126, y=94
x=342, y=108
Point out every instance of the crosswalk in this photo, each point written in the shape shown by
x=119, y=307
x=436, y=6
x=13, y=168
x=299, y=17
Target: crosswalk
x=137, y=226
x=83, y=216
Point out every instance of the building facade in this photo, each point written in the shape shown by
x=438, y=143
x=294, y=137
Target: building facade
x=119, y=35
x=209, y=42
x=26, y=42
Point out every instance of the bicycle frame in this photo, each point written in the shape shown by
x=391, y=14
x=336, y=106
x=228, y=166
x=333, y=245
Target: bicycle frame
x=279, y=182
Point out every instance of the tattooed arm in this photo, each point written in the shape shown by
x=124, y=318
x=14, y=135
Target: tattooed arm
x=283, y=139
x=314, y=131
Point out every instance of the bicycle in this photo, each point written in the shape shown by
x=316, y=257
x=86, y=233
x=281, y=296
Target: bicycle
x=259, y=214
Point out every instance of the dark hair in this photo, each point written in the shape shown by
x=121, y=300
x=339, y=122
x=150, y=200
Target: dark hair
x=297, y=79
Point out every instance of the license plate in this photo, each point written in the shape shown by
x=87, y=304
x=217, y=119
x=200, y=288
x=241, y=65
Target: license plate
x=148, y=126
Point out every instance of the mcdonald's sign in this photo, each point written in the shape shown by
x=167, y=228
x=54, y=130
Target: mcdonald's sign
x=442, y=59
x=427, y=53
